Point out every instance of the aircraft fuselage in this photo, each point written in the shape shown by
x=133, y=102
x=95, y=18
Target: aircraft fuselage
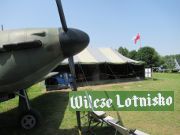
x=21, y=67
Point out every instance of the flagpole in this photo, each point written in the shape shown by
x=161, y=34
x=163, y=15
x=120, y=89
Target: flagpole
x=140, y=45
x=2, y=28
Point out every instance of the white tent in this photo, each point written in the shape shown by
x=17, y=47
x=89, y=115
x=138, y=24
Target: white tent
x=101, y=55
x=102, y=64
x=177, y=66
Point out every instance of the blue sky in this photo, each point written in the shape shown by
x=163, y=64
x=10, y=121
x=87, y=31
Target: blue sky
x=109, y=23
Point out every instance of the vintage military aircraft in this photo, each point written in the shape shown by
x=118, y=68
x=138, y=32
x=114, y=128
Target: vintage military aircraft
x=27, y=56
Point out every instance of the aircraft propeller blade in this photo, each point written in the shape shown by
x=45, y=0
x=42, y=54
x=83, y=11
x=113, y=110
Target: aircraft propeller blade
x=74, y=86
x=72, y=41
x=61, y=15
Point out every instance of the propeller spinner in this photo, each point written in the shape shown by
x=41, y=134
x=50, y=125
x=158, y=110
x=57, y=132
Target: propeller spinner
x=70, y=39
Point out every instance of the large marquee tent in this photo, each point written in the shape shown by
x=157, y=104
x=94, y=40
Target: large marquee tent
x=94, y=64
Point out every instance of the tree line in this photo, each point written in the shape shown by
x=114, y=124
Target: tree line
x=151, y=57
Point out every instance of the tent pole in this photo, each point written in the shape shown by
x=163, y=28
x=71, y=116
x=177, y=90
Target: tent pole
x=83, y=74
x=132, y=69
x=111, y=71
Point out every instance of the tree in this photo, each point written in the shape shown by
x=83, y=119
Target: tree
x=177, y=56
x=169, y=61
x=124, y=51
x=133, y=55
x=149, y=56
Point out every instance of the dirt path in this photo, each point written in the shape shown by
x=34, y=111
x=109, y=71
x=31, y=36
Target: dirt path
x=100, y=86
x=93, y=87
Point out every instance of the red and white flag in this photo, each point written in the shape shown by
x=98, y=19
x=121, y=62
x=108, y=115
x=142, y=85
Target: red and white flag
x=136, y=38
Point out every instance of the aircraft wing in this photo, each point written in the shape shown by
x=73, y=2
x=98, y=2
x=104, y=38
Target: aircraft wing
x=20, y=46
x=50, y=75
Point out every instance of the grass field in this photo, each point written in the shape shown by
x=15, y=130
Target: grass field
x=58, y=120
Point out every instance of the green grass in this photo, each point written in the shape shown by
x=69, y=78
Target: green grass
x=58, y=120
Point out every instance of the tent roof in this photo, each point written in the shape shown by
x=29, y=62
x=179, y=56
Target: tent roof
x=101, y=55
x=177, y=66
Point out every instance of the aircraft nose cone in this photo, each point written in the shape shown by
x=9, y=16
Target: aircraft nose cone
x=73, y=41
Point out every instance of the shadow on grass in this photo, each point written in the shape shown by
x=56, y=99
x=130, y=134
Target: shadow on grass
x=52, y=107
x=101, y=129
